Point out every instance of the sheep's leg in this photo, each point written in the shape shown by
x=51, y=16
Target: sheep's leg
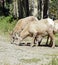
x=36, y=42
x=52, y=39
x=33, y=44
x=47, y=40
x=39, y=39
x=51, y=43
x=39, y=42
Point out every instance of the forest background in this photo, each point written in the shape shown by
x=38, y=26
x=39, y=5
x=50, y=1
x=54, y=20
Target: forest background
x=12, y=10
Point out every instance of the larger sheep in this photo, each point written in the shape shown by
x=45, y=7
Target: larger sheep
x=21, y=25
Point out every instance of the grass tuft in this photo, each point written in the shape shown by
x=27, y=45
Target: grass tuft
x=33, y=60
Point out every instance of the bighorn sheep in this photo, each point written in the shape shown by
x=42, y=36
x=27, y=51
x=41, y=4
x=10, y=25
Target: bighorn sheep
x=21, y=25
x=43, y=27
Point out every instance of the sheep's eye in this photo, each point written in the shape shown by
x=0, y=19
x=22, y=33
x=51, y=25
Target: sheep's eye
x=13, y=38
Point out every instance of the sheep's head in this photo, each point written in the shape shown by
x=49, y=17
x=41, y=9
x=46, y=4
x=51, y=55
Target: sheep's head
x=16, y=39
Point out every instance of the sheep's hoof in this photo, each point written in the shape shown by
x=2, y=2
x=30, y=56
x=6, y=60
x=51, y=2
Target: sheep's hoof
x=28, y=44
x=50, y=44
x=46, y=44
x=22, y=44
x=53, y=47
x=33, y=45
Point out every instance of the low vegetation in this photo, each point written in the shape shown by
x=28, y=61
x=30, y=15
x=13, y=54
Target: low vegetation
x=54, y=61
x=33, y=60
x=6, y=24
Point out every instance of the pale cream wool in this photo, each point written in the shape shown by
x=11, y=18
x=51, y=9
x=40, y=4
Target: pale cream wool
x=50, y=21
x=56, y=26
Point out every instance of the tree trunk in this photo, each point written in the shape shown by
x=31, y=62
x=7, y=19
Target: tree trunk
x=41, y=5
x=23, y=8
x=39, y=9
x=43, y=8
x=27, y=7
x=3, y=8
x=45, y=14
x=17, y=14
x=15, y=10
x=33, y=7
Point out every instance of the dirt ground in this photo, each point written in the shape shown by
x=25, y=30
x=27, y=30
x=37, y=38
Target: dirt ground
x=11, y=54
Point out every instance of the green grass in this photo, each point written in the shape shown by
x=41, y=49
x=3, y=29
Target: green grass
x=56, y=42
x=54, y=61
x=6, y=24
x=56, y=35
x=56, y=39
x=33, y=60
